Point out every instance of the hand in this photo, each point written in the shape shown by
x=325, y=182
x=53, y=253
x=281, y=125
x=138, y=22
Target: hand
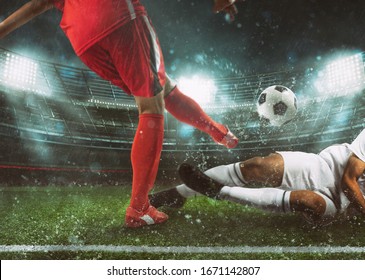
x=220, y=5
x=226, y=6
x=231, y=11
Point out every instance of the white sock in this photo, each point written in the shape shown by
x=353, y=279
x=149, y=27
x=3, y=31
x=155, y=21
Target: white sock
x=228, y=175
x=270, y=199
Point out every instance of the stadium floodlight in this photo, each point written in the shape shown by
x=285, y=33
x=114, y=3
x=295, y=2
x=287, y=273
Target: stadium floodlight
x=342, y=76
x=20, y=72
x=201, y=89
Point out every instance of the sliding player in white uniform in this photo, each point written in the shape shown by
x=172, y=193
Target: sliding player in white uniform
x=321, y=186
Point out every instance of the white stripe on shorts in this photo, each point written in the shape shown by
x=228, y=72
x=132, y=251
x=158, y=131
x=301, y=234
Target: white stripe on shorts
x=155, y=44
x=131, y=9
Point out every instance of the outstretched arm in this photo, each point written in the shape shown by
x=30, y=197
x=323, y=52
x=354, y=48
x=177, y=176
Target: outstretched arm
x=353, y=170
x=24, y=14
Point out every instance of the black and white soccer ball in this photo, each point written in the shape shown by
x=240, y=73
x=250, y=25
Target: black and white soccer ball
x=277, y=104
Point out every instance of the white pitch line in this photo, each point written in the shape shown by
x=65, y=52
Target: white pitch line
x=179, y=249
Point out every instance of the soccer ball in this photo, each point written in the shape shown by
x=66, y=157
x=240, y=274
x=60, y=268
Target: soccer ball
x=277, y=104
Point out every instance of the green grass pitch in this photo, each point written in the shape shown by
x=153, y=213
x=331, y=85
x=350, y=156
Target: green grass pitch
x=88, y=215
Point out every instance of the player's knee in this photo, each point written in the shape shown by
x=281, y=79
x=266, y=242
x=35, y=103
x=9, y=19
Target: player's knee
x=169, y=86
x=318, y=208
x=150, y=105
x=329, y=210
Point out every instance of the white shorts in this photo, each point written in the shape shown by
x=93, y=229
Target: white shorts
x=306, y=171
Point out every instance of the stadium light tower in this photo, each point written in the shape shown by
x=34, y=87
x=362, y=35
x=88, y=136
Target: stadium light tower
x=342, y=76
x=20, y=73
x=201, y=89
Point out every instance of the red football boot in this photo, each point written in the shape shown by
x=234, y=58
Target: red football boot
x=151, y=216
x=229, y=140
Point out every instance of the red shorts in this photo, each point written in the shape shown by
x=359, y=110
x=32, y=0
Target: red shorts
x=130, y=58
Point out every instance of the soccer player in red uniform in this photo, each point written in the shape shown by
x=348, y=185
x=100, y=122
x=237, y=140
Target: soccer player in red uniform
x=115, y=38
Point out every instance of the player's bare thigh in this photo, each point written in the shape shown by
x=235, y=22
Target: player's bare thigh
x=154, y=105
x=169, y=86
x=150, y=105
x=266, y=170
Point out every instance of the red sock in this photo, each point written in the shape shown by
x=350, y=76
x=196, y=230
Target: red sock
x=145, y=156
x=186, y=110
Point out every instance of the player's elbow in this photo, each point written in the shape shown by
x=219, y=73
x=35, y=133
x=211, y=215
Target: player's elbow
x=345, y=184
x=3, y=30
x=2, y=33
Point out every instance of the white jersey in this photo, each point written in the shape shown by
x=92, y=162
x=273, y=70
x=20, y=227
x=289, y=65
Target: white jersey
x=358, y=146
x=337, y=156
x=323, y=172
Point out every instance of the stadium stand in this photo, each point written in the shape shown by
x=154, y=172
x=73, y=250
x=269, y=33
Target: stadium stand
x=65, y=120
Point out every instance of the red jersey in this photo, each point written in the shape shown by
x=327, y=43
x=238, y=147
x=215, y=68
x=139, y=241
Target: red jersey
x=85, y=22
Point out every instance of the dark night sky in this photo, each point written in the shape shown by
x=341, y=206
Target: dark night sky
x=268, y=35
